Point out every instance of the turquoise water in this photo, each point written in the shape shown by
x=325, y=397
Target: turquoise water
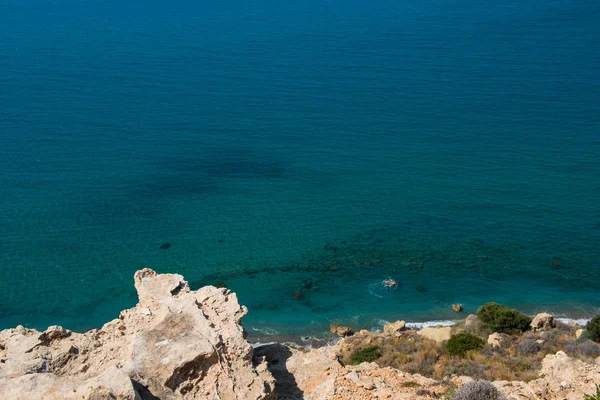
x=312, y=146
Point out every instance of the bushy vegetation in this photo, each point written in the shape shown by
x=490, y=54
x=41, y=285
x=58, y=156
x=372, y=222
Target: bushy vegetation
x=593, y=328
x=528, y=346
x=407, y=352
x=409, y=384
x=519, y=358
x=593, y=396
x=589, y=349
x=482, y=390
x=502, y=319
x=367, y=354
x=459, y=344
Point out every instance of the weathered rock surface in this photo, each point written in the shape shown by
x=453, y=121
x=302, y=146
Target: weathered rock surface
x=318, y=375
x=561, y=378
x=497, y=340
x=437, y=333
x=175, y=344
x=542, y=322
x=457, y=307
x=471, y=323
x=340, y=330
x=394, y=327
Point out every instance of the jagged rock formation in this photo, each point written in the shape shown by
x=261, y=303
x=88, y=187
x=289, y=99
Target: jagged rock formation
x=319, y=375
x=542, y=322
x=561, y=378
x=175, y=344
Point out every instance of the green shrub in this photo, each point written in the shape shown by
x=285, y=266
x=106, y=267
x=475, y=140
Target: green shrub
x=593, y=328
x=458, y=345
x=368, y=354
x=410, y=384
x=449, y=393
x=593, y=396
x=502, y=319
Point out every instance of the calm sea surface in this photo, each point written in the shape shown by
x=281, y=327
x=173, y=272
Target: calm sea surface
x=300, y=147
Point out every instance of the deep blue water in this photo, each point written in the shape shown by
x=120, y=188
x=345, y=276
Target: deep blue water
x=313, y=146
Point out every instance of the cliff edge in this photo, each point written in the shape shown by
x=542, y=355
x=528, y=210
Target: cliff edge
x=175, y=343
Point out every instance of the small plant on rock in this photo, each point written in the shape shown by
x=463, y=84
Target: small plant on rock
x=368, y=354
x=593, y=396
x=593, y=328
x=502, y=319
x=459, y=344
x=482, y=390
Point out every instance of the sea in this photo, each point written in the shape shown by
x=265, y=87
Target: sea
x=299, y=153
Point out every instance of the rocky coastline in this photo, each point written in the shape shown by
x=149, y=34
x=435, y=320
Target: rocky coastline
x=177, y=343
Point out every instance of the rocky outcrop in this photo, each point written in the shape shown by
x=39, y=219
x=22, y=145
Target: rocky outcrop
x=340, y=330
x=436, y=333
x=542, y=322
x=561, y=378
x=319, y=375
x=394, y=327
x=175, y=344
x=471, y=323
x=457, y=307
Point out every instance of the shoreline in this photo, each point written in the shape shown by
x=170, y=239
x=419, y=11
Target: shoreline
x=327, y=339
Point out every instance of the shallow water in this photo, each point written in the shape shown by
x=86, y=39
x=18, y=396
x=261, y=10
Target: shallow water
x=309, y=146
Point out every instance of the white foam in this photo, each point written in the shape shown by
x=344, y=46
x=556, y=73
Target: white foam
x=265, y=331
x=258, y=344
x=426, y=324
x=580, y=321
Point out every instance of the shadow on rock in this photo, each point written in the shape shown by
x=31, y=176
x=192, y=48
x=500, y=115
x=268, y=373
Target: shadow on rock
x=286, y=387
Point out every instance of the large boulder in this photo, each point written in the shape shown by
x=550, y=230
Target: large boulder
x=340, y=330
x=176, y=343
x=561, y=378
x=394, y=327
x=471, y=323
x=542, y=322
x=437, y=333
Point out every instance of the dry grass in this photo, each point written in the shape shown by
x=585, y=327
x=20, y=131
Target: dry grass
x=518, y=360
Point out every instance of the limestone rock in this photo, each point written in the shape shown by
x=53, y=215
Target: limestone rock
x=561, y=378
x=394, y=327
x=175, y=344
x=579, y=332
x=471, y=323
x=497, y=340
x=390, y=283
x=52, y=333
x=340, y=330
x=542, y=322
x=457, y=307
x=313, y=375
x=438, y=333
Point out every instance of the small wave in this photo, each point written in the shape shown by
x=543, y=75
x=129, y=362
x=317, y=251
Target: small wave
x=265, y=330
x=427, y=324
x=579, y=321
x=303, y=342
